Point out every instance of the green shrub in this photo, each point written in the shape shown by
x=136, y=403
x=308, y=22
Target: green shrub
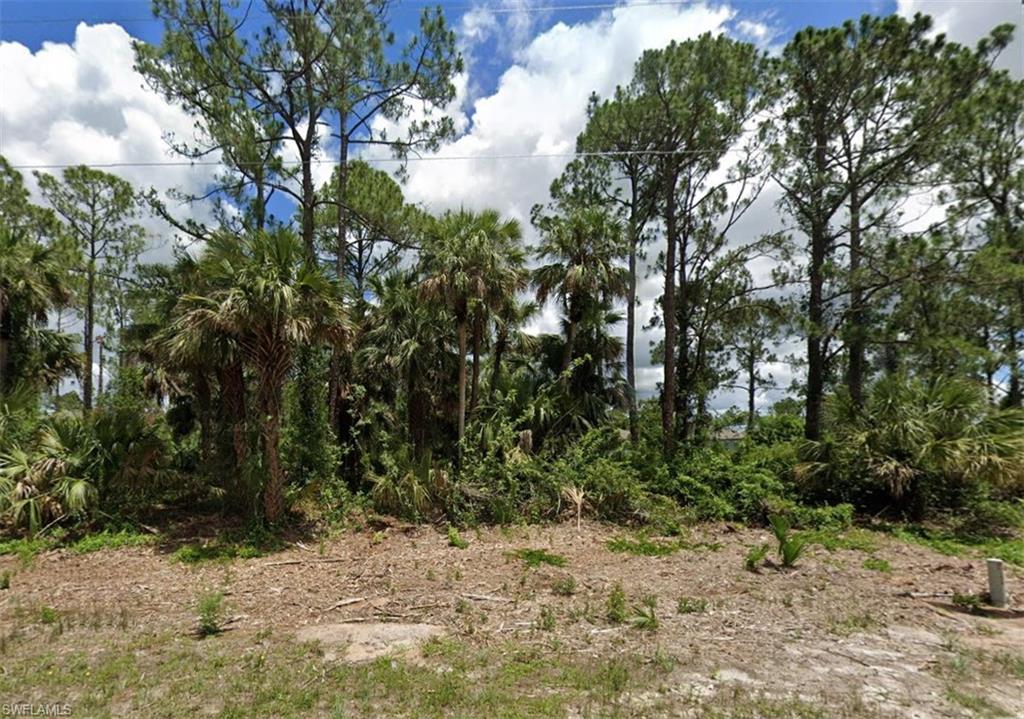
x=210, y=608
x=645, y=615
x=566, y=586
x=536, y=557
x=691, y=605
x=791, y=546
x=755, y=555
x=615, y=608
x=455, y=539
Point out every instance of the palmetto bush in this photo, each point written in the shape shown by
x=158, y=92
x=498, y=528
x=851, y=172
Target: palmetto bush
x=917, y=447
x=50, y=478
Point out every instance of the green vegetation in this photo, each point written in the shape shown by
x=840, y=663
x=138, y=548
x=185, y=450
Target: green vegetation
x=755, y=555
x=210, y=609
x=645, y=546
x=877, y=564
x=791, y=546
x=691, y=605
x=347, y=353
x=616, y=609
x=645, y=615
x=455, y=539
x=566, y=586
x=857, y=622
x=537, y=557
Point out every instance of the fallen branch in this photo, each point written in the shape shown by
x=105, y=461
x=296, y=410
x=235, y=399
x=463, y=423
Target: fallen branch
x=485, y=598
x=344, y=603
x=284, y=562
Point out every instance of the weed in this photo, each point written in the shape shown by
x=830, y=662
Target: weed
x=646, y=617
x=455, y=539
x=755, y=556
x=791, y=546
x=210, y=608
x=877, y=564
x=111, y=540
x=547, y=619
x=431, y=575
x=48, y=615
x=968, y=602
x=691, y=605
x=978, y=706
x=537, y=557
x=616, y=605
x=853, y=623
x=566, y=586
x=1012, y=663
x=5, y=579
x=644, y=546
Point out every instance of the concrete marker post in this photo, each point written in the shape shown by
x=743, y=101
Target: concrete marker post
x=996, y=583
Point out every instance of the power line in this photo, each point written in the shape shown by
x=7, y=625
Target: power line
x=385, y=160
x=500, y=10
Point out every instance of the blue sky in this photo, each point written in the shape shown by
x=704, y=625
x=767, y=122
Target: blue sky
x=69, y=95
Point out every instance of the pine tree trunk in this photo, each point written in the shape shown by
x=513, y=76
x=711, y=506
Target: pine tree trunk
x=751, y=389
x=87, y=331
x=856, y=344
x=631, y=322
x=815, y=305
x=341, y=253
x=684, y=380
x=668, y=398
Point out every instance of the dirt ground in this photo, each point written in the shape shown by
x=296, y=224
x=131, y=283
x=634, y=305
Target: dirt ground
x=829, y=632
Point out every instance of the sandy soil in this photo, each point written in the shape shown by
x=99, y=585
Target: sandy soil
x=828, y=629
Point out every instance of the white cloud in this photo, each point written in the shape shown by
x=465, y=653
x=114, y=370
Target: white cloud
x=83, y=103
x=968, y=22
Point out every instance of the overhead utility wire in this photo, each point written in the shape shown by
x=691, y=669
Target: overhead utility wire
x=501, y=10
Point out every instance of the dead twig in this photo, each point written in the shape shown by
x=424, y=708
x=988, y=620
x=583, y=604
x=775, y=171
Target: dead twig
x=485, y=598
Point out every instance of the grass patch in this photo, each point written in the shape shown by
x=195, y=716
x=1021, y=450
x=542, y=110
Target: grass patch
x=537, y=557
x=854, y=539
x=26, y=549
x=238, y=676
x=691, y=605
x=1009, y=550
x=111, y=540
x=228, y=547
x=565, y=587
x=877, y=564
x=644, y=546
x=857, y=622
x=979, y=706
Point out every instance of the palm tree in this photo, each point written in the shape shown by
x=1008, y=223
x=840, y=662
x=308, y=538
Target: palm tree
x=472, y=263
x=31, y=284
x=581, y=250
x=406, y=345
x=269, y=301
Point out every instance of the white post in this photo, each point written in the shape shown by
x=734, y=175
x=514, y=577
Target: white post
x=996, y=585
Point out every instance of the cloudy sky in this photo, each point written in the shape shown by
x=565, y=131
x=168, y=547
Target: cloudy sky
x=68, y=93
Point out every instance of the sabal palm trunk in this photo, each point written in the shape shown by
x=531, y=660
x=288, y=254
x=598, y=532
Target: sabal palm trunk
x=462, y=380
x=570, y=342
x=272, y=382
x=475, y=382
